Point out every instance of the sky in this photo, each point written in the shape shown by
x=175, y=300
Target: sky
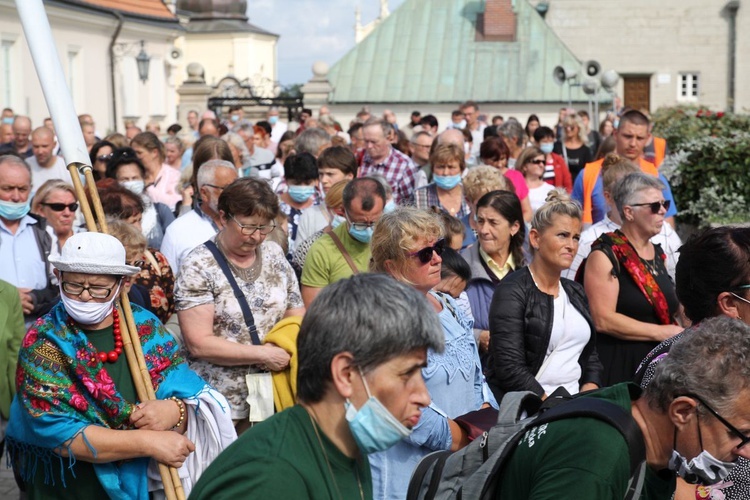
x=311, y=30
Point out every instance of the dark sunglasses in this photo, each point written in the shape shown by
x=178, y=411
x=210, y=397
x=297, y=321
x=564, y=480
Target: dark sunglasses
x=538, y=162
x=425, y=255
x=734, y=430
x=655, y=206
x=104, y=157
x=59, y=207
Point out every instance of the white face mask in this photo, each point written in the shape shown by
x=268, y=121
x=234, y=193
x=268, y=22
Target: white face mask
x=135, y=186
x=88, y=313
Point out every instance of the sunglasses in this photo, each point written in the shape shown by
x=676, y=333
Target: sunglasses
x=734, y=430
x=538, y=162
x=655, y=206
x=104, y=157
x=59, y=207
x=425, y=255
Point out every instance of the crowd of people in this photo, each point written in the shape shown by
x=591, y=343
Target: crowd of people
x=432, y=270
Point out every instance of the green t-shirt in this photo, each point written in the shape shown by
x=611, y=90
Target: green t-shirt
x=578, y=458
x=85, y=484
x=282, y=458
x=325, y=263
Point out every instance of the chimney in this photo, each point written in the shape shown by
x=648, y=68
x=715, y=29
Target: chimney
x=498, y=22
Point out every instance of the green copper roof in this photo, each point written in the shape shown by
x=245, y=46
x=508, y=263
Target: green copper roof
x=426, y=51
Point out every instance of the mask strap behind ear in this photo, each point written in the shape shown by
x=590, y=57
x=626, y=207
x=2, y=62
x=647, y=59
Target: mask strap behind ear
x=367, y=389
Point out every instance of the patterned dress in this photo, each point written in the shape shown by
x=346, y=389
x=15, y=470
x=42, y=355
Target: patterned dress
x=270, y=293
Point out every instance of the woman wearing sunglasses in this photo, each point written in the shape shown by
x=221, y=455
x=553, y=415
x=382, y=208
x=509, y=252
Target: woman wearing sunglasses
x=632, y=297
x=100, y=154
x=531, y=163
x=407, y=244
x=542, y=336
x=55, y=200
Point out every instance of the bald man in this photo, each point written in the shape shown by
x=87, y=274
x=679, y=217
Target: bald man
x=6, y=133
x=20, y=143
x=45, y=165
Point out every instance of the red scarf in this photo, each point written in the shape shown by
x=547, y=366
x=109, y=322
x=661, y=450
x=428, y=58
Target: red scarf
x=644, y=280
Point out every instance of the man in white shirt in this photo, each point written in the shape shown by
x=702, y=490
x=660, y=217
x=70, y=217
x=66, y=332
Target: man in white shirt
x=200, y=224
x=277, y=128
x=45, y=165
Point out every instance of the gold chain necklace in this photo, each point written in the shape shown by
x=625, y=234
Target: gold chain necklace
x=328, y=463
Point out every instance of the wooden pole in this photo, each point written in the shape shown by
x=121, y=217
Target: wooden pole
x=44, y=53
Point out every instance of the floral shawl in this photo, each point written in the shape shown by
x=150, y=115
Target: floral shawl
x=62, y=389
x=632, y=263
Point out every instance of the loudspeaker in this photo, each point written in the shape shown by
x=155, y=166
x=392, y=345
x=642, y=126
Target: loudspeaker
x=592, y=68
x=562, y=74
x=175, y=55
x=609, y=79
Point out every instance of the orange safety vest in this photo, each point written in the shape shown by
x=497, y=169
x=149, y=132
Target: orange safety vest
x=660, y=150
x=591, y=174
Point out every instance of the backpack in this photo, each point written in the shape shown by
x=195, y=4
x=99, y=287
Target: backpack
x=473, y=472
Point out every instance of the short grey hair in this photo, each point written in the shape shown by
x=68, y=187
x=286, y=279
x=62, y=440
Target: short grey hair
x=311, y=140
x=236, y=140
x=207, y=171
x=15, y=160
x=379, y=122
x=371, y=316
x=709, y=360
x=627, y=189
x=513, y=131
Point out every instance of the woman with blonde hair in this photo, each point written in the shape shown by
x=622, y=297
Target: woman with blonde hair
x=531, y=163
x=574, y=145
x=407, y=244
x=55, y=200
x=541, y=333
x=445, y=191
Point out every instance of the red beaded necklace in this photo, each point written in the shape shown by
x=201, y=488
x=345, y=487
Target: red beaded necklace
x=113, y=355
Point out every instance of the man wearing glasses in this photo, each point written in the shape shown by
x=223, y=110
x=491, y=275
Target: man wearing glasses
x=693, y=416
x=345, y=249
x=24, y=244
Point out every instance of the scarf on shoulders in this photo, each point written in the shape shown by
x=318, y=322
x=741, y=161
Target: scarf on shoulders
x=62, y=389
x=629, y=259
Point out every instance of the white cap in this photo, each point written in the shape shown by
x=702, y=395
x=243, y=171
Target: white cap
x=93, y=253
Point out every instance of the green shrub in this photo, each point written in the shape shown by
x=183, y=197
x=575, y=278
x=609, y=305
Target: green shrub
x=709, y=165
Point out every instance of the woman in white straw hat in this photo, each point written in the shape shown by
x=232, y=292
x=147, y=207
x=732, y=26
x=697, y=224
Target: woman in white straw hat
x=76, y=413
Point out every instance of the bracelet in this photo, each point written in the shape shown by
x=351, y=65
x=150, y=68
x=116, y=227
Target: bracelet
x=182, y=412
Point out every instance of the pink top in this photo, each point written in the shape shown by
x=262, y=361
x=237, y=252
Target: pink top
x=516, y=177
x=164, y=188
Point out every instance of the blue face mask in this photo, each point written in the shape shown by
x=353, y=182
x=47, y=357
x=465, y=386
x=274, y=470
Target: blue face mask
x=13, y=211
x=301, y=194
x=8, y=120
x=235, y=118
x=361, y=235
x=337, y=221
x=389, y=207
x=460, y=125
x=273, y=119
x=447, y=182
x=547, y=147
x=616, y=124
x=373, y=427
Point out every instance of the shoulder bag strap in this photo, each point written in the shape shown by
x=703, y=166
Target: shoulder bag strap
x=246, y=312
x=329, y=231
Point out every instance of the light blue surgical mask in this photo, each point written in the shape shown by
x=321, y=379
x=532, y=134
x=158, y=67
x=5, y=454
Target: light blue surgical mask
x=8, y=120
x=13, y=211
x=136, y=186
x=373, y=427
x=360, y=234
x=273, y=119
x=547, y=147
x=389, y=207
x=460, y=125
x=447, y=182
x=337, y=221
x=301, y=194
x=234, y=118
x=616, y=124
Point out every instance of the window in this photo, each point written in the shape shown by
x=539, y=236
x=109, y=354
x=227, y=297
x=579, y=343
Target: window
x=687, y=87
x=6, y=77
x=75, y=76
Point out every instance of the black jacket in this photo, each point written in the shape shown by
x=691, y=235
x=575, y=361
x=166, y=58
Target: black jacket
x=521, y=319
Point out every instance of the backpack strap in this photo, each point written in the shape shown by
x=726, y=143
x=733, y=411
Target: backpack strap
x=348, y=258
x=244, y=306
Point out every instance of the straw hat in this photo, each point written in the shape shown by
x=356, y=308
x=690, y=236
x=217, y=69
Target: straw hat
x=93, y=253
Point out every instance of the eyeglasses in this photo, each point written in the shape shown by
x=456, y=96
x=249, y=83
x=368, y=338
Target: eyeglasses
x=742, y=437
x=96, y=292
x=59, y=207
x=359, y=226
x=137, y=263
x=538, y=162
x=655, y=206
x=425, y=255
x=220, y=188
x=104, y=157
x=249, y=229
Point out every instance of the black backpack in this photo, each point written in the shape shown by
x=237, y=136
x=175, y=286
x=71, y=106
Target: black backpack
x=473, y=472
